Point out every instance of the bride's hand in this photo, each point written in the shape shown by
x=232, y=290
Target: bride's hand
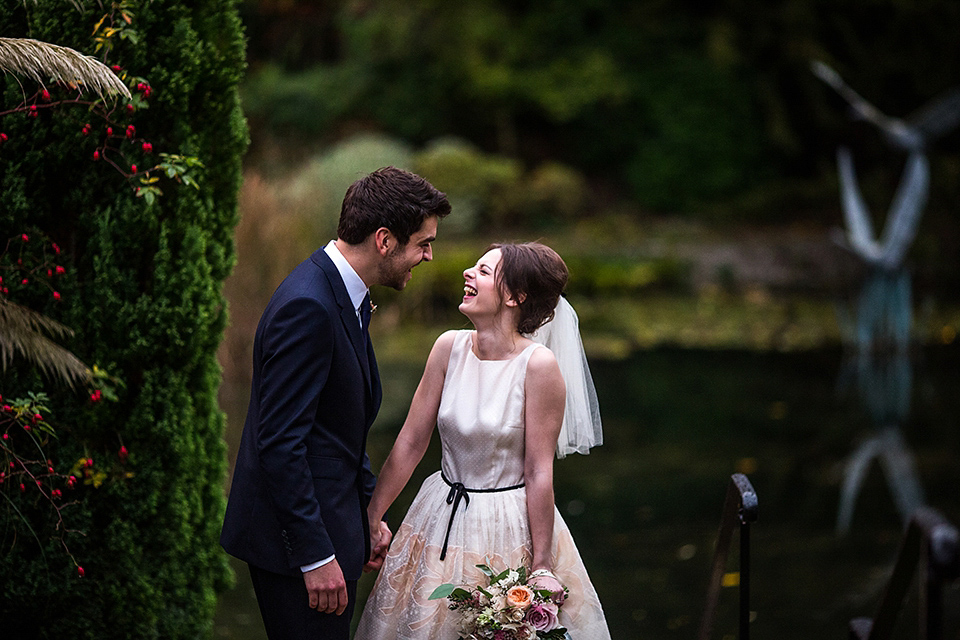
x=549, y=582
x=380, y=538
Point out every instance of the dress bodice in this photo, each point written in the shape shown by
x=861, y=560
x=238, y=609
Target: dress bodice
x=481, y=417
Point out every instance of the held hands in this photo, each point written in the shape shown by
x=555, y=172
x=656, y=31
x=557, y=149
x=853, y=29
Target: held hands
x=380, y=538
x=326, y=588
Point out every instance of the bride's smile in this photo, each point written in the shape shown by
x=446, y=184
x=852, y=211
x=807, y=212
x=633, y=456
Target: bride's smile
x=480, y=288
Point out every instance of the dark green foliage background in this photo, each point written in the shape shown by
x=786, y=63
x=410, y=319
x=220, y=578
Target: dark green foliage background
x=145, y=300
x=684, y=107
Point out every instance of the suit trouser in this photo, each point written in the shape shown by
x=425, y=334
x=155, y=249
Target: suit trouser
x=286, y=614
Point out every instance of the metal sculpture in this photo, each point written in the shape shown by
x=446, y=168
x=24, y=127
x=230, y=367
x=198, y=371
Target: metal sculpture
x=879, y=330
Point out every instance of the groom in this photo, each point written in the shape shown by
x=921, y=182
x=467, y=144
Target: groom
x=297, y=507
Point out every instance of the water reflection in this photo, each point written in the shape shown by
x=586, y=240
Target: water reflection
x=878, y=346
x=644, y=507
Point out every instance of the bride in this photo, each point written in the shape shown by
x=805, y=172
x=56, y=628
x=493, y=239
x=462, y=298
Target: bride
x=504, y=404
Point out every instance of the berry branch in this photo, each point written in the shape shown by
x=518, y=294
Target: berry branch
x=65, y=66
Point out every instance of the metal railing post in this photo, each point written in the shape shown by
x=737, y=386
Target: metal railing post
x=932, y=545
x=739, y=510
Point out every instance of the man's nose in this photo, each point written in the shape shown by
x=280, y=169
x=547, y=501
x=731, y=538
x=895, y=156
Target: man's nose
x=428, y=253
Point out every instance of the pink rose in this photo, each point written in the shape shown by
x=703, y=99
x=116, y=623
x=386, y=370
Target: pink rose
x=543, y=616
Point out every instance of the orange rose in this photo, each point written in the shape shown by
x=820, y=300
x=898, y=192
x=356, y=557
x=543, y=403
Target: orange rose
x=520, y=597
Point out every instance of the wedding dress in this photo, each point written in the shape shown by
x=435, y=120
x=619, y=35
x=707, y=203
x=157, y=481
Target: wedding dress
x=481, y=426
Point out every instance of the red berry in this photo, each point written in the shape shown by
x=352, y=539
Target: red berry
x=109, y=131
x=50, y=469
x=147, y=147
x=45, y=95
x=116, y=67
x=123, y=453
x=24, y=281
x=80, y=571
x=49, y=273
x=130, y=108
x=25, y=238
x=26, y=427
x=88, y=463
x=56, y=493
x=60, y=270
x=147, y=92
x=131, y=131
x=23, y=489
x=133, y=168
x=56, y=248
x=3, y=137
x=37, y=417
x=96, y=155
x=6, y=436
x=56, y=295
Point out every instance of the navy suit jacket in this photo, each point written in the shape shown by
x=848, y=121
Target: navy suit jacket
x=302, y=480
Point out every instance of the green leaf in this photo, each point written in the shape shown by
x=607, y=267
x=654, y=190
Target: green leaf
x=500, y=576
x=442, y=591
x=486, y=570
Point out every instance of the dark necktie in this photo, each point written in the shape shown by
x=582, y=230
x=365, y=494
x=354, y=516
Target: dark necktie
x=365, y=312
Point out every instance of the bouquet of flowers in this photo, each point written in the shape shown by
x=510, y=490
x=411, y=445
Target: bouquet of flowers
x=511, y=607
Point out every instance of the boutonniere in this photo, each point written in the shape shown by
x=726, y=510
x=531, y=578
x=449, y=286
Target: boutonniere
x=373, y=307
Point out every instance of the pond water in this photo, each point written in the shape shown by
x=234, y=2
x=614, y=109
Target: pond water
x=644, y=507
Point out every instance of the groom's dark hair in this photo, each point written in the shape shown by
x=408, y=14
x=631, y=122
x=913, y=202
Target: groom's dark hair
x=391, y=198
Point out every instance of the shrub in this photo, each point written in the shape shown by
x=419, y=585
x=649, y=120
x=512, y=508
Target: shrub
x=145, y=302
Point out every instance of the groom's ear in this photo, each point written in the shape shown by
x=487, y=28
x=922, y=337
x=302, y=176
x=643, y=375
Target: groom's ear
x=384, y=241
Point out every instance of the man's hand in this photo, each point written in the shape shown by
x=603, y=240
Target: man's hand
x=326, y=588
x=379, y=544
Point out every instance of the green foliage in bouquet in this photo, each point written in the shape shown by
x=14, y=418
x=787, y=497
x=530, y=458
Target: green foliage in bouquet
x=142, y=294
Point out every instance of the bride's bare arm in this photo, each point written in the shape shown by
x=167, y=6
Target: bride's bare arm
x=545, y=397
x=415, y=434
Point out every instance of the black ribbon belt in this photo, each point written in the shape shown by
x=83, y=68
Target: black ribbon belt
x=459, y=492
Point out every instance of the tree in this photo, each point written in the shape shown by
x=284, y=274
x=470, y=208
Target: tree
x=142, y=291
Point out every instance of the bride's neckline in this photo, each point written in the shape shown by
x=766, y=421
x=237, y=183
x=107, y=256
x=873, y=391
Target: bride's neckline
x=472, y=346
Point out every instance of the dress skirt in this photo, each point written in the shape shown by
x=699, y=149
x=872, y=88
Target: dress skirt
x=490, y=529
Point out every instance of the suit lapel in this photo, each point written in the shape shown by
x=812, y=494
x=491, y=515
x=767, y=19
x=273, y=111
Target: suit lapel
x=348, y=315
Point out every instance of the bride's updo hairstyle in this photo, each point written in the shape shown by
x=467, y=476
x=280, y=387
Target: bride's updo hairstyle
x=535, y=275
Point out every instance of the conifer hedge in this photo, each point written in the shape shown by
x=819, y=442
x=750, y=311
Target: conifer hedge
x=137, y=553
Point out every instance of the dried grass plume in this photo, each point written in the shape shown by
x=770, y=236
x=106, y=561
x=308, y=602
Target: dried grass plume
x=23, y=334
x=42, y=60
